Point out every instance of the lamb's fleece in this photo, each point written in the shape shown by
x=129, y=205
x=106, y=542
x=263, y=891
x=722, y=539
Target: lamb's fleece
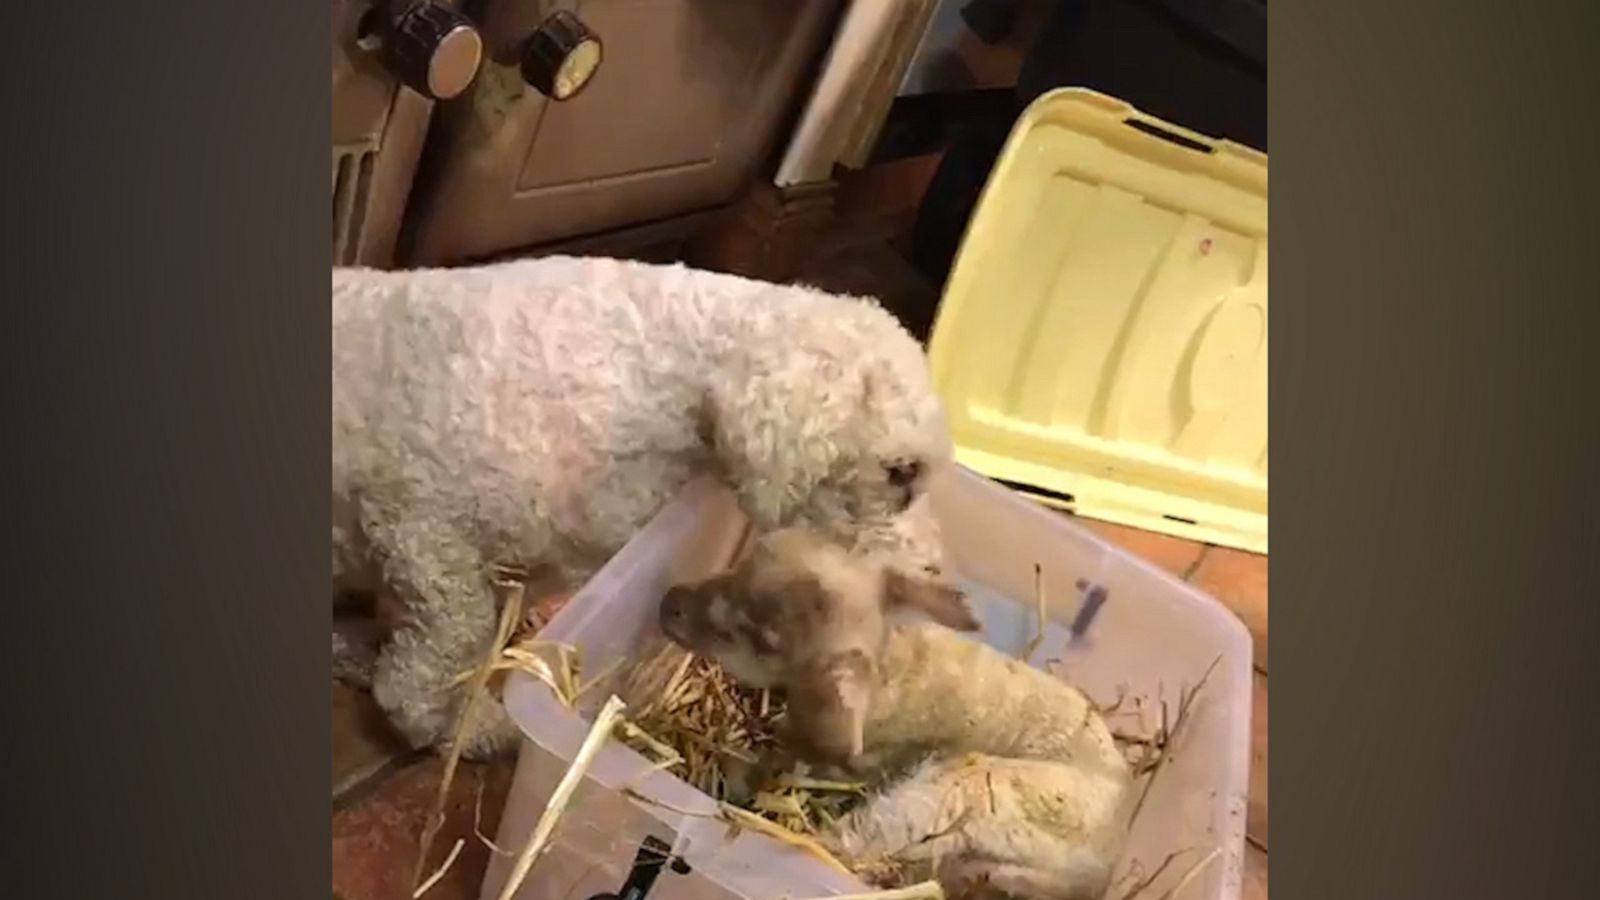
x=1021, y=791
x=993, y=827
x=937, y=691
x=538, y=412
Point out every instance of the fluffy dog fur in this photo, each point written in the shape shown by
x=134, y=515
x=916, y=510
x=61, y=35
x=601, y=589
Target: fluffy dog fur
x=537, y=413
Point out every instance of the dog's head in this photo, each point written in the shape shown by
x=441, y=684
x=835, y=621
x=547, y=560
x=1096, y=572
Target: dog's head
x=834, y=425
x=806, y=615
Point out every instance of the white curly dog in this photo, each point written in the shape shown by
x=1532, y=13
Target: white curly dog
x=537, y=413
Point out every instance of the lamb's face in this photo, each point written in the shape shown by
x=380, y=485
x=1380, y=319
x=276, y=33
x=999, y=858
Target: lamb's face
x=795, y=599
x=804, y=614
x=701, y=618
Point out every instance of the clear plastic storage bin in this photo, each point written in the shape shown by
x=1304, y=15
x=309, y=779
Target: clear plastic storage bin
x=1150, y=636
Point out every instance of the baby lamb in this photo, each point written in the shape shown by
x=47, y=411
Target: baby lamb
x=998, y=779
x=537, y=413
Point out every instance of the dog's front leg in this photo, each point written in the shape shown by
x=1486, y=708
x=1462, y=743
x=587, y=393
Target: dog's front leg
x=447, y=626
x=355, y=650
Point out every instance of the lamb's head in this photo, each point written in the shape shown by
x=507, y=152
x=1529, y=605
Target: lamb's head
x=809, y=616
x=832, y=422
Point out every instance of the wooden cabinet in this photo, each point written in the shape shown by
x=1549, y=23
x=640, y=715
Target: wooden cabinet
x=689, y=102
x=378, y=133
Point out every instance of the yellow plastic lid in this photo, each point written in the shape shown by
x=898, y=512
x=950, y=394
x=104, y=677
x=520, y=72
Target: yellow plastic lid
x=1102, y=341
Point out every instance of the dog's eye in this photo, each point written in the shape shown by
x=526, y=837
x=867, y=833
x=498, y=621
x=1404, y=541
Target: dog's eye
x=904, y=474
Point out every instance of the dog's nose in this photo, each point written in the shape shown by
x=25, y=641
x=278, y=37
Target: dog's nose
x=908, y=496
x=907, y=479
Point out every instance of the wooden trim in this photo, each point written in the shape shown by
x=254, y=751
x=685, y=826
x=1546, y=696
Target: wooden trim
x=766, y=234
x=847, y=109
x=661, y=240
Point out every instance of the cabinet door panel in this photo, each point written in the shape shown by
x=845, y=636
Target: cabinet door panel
x=687, y=103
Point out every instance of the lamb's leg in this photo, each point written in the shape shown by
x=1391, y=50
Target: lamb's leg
x=449, y=623
x=968, y=819
x=1067, y=879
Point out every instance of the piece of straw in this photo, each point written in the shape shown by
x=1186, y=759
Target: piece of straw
x=1170, y=737
x=927, y=890
x=737, y=818
x=1190, y=875
x=1140, y=885
x=744, y=818
x=510, y=612
x=1039, y=607
x=434, y=878
x=557, y=677
x=477, y=825
x=779, y=804
x=1108, y=710
x=790, y=780
x=662, y=751
x=687, y=705
x=599, y=732
x=568, y=672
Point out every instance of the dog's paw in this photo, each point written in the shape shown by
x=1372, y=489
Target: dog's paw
x=357, y=677
x=494, y=735
x=355, y=653
x=354, y=670
x=422, y=724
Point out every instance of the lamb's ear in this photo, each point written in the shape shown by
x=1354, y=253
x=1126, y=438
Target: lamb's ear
x=828, y=705
x=938, y=600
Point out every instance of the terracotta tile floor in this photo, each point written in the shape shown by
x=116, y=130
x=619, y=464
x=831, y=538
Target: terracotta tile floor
x=382, y=795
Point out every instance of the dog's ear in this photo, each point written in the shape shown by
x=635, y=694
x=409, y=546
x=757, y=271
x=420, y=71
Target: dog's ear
x=776, y=433
x=828, y=704
x=938, y=600
x=875, y=383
